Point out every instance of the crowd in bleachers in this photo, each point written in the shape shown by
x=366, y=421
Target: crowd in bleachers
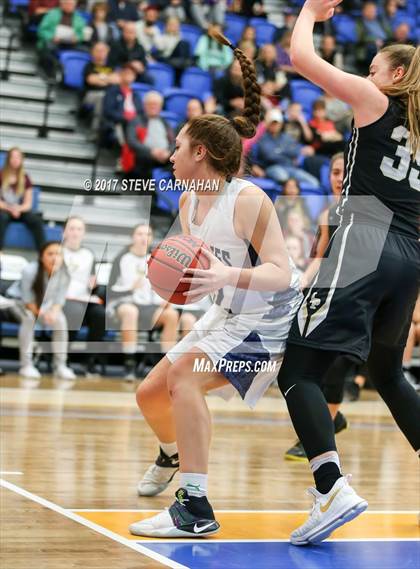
x=142, y=69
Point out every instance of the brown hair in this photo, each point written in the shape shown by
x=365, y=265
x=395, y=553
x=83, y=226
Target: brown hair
x=99, y=6
x=222, y=136
x=408, y=88
x=7, y=172
x=334, y=157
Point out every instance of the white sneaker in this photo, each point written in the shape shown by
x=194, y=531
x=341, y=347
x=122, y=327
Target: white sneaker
x=329, y=512
x=64, y=372
x=29, y=372
x=156, y=479
x=178, y=521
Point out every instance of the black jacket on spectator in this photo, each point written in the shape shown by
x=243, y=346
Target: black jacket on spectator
x=225, y=90
x=143, y=152
x=113, y=105
x=122, y=10
x=121, y=54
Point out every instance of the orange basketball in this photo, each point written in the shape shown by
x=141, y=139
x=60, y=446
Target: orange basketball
x=167, y=262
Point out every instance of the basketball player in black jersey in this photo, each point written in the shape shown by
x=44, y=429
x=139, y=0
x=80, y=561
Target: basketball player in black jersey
x=343, y=367
x=364, y=294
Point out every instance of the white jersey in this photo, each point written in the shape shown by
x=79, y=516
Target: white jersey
x=218, y=232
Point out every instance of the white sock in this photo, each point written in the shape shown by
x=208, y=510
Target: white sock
x=195, y=484
x=318, y=461
x=169, y=448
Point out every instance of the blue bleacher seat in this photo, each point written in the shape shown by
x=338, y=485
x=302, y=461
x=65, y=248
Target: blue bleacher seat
x=166, y=200
x=87, y=16
x=14, y=5
x=267, y=185
x=2, y=158
x=197, y=81
x=171, y=118
x=142, y=88
x=191, y=34
x=163, y=75
x=176, y=100
x=234, y=26
x=18, y=235
x=305, y=93
x=345, y=28
x=264, y=31
x=73, y=63
x=325, y=176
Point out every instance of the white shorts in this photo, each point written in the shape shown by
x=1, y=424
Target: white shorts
x=246, y=348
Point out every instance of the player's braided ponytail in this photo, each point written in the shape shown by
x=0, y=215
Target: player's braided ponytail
x=245, y=124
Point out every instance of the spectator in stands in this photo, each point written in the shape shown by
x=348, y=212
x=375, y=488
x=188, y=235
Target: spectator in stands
x=298, y=128
x=82, y=307
x=402, y=34
x=150, y=137
x=249, y=35
x=97, y=77
x=207, y=12
x=99, y=30
x=339, y=112
x=290, y=17
x=148, y=33
x=327, y=139
x=283, y=56
x=329, y=52
x=298, y=226
x=248, y=8
x=211, y=55
x=42, y=291
x=296, y=124
x=172, y=49
x=16, y=198
x=228, y=90
x=120, y=105
x=128, y=49
x=291, y=200
x=195, y=108
x=387, y=18
x=371, y=35
x=294, y=248
x=134, y=303
x=273, y=81
x=175, y=9
x=121, y=11
x=60, y=28
x=276, y=154
x=38, y=8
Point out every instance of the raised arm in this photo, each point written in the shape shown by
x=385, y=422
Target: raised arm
x=362, y=95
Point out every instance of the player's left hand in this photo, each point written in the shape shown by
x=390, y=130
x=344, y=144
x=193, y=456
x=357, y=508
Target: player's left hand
x=204, y=281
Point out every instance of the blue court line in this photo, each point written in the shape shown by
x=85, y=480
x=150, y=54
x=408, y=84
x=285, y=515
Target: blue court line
x=275, y=555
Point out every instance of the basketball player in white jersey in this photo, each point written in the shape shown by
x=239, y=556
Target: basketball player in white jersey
x=255, y=289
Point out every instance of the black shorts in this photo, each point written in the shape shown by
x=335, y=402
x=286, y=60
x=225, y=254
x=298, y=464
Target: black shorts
x=365, y=292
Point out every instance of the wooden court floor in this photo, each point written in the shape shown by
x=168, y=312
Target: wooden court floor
x=71, y=456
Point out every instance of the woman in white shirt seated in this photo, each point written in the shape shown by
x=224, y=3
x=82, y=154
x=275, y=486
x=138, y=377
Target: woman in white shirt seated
x=133, y=302
x=42, y=291
x=82, y=308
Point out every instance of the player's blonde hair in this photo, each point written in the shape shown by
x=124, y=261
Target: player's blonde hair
x=407, y=89
x=222, y=136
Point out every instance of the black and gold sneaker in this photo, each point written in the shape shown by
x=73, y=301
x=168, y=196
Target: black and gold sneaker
x=188, y=516
x=159, y=475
